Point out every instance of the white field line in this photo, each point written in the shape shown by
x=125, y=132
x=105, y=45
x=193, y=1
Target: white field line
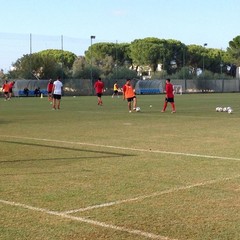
x=123, y=148
x=139, y=198
x=97, y=223
x=88, y=221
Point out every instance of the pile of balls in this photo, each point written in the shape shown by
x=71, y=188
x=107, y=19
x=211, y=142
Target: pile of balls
x=224, y=109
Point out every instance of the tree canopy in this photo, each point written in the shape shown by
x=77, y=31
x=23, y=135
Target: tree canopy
x=44, y=64
x=106, y=59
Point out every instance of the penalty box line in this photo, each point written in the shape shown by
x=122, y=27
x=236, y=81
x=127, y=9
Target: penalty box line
x=110, y=226
x=124, y=148
x=156, y=194
x=101, y=224
x=88, y=221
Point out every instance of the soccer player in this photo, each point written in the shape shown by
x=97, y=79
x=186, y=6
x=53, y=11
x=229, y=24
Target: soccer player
x=99, y=85
x=57, y=93
x=129, y=94
x=169, y=96
x=11, y=86
x=49, y=90
x=115, y=90
x=6, y=88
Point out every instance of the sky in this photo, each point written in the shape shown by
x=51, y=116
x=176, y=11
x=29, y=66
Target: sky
x=29, y=26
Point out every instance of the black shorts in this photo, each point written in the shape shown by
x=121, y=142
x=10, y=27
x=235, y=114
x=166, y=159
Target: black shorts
x=57, y=96
x=169, y=99
x=10, y=90
x=99, y=94
x=131, y=99
x=116, y=91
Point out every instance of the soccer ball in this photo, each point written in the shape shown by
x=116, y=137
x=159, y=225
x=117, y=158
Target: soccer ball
x=217, y=109
x=138, y=109
x=225, y=109
x=230, y=111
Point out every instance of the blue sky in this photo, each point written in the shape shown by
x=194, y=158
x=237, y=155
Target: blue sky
x=215, y=22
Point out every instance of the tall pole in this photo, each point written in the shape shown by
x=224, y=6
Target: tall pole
x=62, y=56
x=221, y=63
x=183, y=65
x=204, y=45
x=116, y=62
x=30, y=62
x=30, y=43
x=92, y=37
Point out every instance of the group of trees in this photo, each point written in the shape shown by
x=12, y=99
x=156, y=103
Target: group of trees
x=121, y=60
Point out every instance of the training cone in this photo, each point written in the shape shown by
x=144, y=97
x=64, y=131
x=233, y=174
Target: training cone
x=41, y=95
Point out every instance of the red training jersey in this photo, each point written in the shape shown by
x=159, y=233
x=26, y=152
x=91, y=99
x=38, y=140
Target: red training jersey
x=169, y=90
x=11, y=84
x=50, y=87
x=99, y=85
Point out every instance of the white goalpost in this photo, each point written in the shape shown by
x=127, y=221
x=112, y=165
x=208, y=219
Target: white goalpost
x=177, y=89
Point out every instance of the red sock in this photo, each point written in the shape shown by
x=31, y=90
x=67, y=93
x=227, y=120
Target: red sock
x=165, y=106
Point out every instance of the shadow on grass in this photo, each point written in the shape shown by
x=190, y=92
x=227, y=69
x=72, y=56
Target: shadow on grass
x=104, y=154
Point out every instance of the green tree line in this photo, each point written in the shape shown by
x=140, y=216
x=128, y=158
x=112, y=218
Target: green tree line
x=121, y=60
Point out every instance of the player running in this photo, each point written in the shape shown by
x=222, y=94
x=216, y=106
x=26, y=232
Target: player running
x=6, y=88
x=115, y=90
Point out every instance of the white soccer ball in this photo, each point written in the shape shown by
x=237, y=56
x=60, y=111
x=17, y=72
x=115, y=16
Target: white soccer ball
x=220, y=109
x=138, y=109
x=217, y=109
x=230, y=111
x=225, y=109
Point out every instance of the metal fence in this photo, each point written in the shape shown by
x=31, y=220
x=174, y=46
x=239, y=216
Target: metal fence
x=201, y=85
x=84, y=86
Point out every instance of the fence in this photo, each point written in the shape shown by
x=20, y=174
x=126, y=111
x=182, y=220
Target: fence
x=199, y=85
x=84, y=87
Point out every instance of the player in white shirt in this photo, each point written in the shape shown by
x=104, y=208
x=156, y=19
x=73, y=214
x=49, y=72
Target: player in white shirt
x=57, y=93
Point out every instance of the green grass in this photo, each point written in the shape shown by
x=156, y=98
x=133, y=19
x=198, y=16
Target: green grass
x=167, y=175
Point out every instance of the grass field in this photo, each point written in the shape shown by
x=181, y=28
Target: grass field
x=90, y=172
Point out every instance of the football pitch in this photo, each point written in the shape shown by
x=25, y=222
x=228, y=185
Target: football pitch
x=91, y=172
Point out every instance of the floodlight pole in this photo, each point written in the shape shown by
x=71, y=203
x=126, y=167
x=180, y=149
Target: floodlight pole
x=91, y=37
x=62, y=57
x=30, y=63
x=203, y=70
x=221, y=63
x=116, y=61
x=204, y=45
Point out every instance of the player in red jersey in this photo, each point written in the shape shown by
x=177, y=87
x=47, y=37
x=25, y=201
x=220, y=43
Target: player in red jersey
x=11, y=86
x=169, y=96
x=99, y=85
x=50, y=90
